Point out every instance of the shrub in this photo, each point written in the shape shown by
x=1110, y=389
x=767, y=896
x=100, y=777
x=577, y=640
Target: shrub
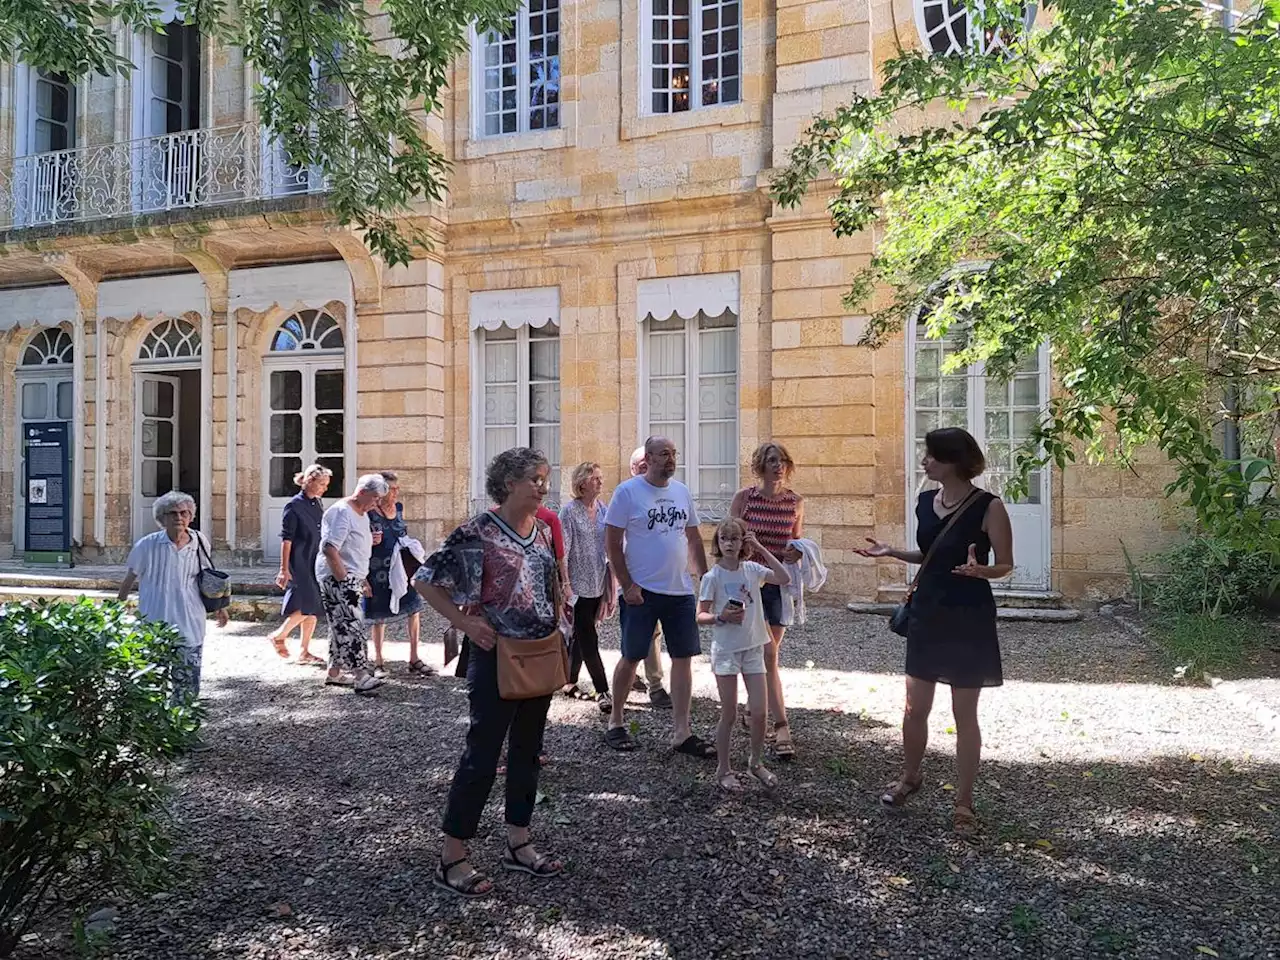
x=1207, y=575
x=87, y=720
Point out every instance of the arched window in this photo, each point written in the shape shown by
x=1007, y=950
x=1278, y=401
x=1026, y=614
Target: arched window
x=308, y=330
x=171, y=340
x=946, y=29
x=49, y=347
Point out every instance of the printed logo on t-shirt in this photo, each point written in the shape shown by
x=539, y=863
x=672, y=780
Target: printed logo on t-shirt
x=667, y=514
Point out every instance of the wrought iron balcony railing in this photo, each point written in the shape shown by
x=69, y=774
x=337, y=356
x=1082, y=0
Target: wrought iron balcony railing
x=194, y=168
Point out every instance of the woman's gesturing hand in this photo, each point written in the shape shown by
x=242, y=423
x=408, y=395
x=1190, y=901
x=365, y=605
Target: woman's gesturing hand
x=971, y=567
x=877, y=549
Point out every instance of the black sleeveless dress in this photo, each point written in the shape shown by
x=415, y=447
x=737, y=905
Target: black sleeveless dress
x=951, y=633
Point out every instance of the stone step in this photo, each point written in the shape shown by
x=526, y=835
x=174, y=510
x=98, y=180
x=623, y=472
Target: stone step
x=247, y=607
x=255, y=583
x=1005, y=599
x=1034, y=614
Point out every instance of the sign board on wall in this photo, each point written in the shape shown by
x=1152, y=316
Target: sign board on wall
x=47, y=488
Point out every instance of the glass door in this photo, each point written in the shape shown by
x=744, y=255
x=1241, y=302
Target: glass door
x=156, y=446
x=1001, y=415
x=306, y=424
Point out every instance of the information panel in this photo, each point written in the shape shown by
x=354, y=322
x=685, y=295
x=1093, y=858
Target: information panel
x=47, y=487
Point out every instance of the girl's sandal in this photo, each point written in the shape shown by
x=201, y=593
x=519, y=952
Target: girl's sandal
x=464, y=886
x=730, y=783
x=783, y=748
x=964, y=823
x=896, y=794
x=282, y=648
x=310, y=660
x=765, y=777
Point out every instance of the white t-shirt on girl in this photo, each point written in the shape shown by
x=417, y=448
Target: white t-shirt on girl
x=720, y=586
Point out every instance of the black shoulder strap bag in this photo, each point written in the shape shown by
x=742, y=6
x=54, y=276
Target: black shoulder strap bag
x=215, y=586
x=902, y=613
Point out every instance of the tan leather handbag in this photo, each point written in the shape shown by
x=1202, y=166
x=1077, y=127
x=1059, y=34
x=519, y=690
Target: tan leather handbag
x=528, y=669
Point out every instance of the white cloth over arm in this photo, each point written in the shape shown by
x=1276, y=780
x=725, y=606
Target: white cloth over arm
x=397, y=576
x=809, y=573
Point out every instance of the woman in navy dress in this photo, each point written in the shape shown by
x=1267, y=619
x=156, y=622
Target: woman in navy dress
x=299, y=543
x=951, y=630
x=386, y=521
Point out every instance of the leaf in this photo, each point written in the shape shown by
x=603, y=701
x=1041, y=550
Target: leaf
x=1195, y=758
x=899, y=882
x=953, y=867
x=1207, y=951
x=948, y=787
x=1088, y=774
x=950, y=730
x=1046, y=845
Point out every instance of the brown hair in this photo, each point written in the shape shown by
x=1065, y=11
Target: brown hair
x=762, y=453
x=581, y=474
x=956, y=447
x=390, y=476
x=728, y=525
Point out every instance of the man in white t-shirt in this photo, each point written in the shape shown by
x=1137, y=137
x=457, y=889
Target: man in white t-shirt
x=658, y=695
x=651, y=536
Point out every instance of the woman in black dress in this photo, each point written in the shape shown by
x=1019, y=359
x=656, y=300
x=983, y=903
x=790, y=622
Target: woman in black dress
x=951, y=630
x=299, y=543
x=386, y=522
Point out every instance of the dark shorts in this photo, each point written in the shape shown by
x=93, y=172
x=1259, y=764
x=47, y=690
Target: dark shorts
x=771, y=600
x=678, y=616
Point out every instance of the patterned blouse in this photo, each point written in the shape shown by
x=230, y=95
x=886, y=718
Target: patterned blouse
x=771, y=519
x=511, y=579
x=584, y=545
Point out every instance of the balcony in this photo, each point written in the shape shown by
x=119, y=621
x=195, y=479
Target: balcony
x=191, y=169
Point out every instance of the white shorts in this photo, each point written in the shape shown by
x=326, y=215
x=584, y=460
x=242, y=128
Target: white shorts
x=730, y=663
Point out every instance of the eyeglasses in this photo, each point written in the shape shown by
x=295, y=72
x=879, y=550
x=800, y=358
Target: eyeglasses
x=178, y=513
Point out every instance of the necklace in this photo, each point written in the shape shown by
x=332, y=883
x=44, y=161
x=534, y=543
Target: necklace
x=942, y=499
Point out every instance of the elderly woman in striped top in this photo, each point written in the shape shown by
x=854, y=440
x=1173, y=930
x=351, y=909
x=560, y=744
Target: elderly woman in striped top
x=775, y=514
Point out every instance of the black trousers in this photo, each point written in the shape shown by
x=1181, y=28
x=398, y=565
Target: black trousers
x=585, y=647
x=520, y=723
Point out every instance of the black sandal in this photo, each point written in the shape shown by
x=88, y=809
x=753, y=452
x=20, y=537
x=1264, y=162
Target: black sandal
x=537, y=869
x=420, y=668
x=466, y=887
x=620, y=739
x=694, y=746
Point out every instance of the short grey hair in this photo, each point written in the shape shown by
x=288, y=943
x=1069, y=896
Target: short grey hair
x=170, y=501
x=637, y=458
x=508, y=467
x=372, y=483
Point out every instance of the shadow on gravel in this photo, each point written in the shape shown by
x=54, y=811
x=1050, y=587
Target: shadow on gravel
x=311, y=831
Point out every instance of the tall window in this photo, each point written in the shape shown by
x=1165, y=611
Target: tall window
x=55, y=112
x=692, y=53
x=518, y=72
x=519, y=395
x=691, y=390
x=946, y=27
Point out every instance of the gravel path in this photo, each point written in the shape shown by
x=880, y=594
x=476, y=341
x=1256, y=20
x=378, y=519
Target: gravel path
x=1122, y=816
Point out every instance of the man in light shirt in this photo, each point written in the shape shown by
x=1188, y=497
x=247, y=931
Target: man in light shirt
x=652, y=538
x=658, y=696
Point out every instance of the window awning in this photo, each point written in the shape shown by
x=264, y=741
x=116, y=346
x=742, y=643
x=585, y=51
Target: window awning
x=171, y=295
x=37, y=306
x=710, y=293
x=293, y=286
x=529, y=307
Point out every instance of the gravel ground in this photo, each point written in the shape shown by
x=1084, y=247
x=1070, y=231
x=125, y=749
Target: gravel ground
x=1122, y=816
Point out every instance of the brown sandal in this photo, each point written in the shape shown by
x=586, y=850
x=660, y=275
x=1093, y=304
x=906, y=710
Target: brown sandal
x=964, y=822
x=282, y=647
x=896, y=794
x=783, y=748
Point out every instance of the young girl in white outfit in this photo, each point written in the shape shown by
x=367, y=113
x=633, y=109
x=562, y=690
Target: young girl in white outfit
x=730, y=604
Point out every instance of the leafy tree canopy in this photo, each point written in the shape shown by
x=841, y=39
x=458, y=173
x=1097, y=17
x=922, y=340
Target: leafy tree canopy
x=1115, y=171
x=347, y=86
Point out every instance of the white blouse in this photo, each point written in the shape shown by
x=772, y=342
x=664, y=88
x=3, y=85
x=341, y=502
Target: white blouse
x=167, y=587
x=584, y=547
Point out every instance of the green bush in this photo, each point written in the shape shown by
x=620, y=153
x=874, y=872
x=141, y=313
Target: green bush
x=88, y=718
x=1206, y=575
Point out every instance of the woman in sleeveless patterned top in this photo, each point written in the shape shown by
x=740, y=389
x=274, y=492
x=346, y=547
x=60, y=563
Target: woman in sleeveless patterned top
x=775, y=514
x=951, y=631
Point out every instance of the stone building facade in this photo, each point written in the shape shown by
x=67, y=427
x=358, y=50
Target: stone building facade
x=608, y=264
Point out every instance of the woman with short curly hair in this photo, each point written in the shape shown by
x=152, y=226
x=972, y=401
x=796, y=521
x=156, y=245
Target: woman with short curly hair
x=775, y=514
x=497, y=574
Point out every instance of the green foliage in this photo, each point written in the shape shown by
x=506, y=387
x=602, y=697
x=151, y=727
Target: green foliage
x=1208, y=576
x=87, y=718
x=1196, y=642
x=1114, y=175
x=346, y=86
